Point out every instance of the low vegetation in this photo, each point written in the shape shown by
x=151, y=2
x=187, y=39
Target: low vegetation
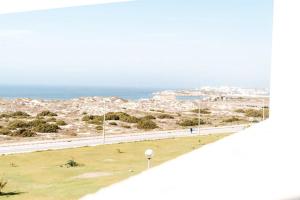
x=146, y=124
x=17, y=114
x=113, y=123
x=99, y=128
x=191, y=122
x=51, y=119
x=71, y=163
x=231, y=119
x=46, y=128
x=17, y=124
x=148, y=117
x=126, y=126
x=22, y=128
x=254, y=112
x=4, y=131
x=239, y=110
x=202, y=111
x=165, y=116
x=61, y=123
x=112, y=116
x=122, y=116
x=23, y=133
x=119, y=116
x=46, y=113
x=93, y=119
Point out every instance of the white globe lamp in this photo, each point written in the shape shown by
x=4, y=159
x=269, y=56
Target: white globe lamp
x=149, y=154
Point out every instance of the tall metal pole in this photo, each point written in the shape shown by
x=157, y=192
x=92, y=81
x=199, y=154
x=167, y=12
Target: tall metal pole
x=103, y=127
x=199, y=115
x=263, y=109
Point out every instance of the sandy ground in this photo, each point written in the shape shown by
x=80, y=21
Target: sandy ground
x=73, y=110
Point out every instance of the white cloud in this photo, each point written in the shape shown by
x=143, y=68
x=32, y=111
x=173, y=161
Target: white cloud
x=12, y=6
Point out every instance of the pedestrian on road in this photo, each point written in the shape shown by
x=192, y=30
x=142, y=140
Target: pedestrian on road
x=191, y=129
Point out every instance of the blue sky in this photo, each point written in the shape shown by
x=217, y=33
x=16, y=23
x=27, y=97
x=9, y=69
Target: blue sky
x=142, y=43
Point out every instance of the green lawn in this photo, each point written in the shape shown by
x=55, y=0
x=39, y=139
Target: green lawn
x=39, y=175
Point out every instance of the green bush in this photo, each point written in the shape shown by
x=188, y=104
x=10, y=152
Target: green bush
x=130, y=119
x=61, y=123
x=4, y=115
x=124, y=117
x=5, y=131
x=86, y=118
x=191, y=122
x=96, y=122
x=28, y=129
x=146, y=124
x=202, y=111
x=47, y=113
x=231, y=119
x=99, y=128
x=121, y=116
x=46, y=128
x=113, y=123
x=23, y=133
x=126, y=126
x=112, y=116
x=253, y=113
x=93, y=119
x=148, y=117
x=20, y=114
x=72, y=163
x=17, y=114
x=239, y=110
x=36, y=122
x=17, y=124
x=51, y=119
x=165, y=116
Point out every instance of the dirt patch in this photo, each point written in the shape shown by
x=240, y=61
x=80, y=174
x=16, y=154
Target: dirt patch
x=92, y=175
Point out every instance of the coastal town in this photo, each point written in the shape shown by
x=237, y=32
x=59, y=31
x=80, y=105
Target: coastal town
x=30, y=119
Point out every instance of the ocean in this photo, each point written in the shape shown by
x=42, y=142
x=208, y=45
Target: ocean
x=60, y=93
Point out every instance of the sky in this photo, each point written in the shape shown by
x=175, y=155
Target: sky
x=141, y=43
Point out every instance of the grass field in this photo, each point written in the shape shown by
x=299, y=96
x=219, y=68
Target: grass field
x=39, y=175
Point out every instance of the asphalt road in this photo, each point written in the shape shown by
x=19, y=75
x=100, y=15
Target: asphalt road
x=24, y=147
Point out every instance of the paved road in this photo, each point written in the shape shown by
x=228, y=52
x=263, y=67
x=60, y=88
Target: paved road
x=24, y=147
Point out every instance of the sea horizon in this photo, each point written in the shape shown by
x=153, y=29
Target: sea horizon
x=47, y=92
x=71, y=92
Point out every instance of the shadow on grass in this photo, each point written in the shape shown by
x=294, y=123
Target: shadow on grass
x=10, y=193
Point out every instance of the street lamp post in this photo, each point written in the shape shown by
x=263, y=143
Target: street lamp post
x=199, y=116
x=263, y=109
x=149, y=154
x=103, y=126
